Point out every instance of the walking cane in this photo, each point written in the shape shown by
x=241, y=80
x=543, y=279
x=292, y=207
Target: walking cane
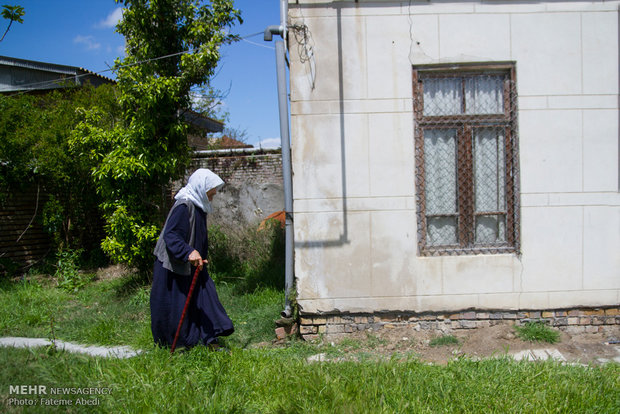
x=189, y=296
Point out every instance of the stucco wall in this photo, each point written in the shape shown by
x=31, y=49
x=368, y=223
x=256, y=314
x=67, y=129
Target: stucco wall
x=352, y=130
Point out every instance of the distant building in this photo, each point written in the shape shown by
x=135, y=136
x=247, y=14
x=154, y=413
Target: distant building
x=227, y=142
x=19, y=75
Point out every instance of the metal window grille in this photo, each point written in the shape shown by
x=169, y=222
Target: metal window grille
x=467, y=169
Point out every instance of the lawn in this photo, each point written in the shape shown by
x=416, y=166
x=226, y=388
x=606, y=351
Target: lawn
x=256, y=379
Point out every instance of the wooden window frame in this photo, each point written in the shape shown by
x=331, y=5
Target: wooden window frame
x=465, y=124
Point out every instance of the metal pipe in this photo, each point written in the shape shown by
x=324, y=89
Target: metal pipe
x=284, y=20
x=271, y=30
x=287, y=176
x=286, y=152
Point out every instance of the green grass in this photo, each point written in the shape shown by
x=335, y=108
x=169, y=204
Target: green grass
x=267, y=379
x=280, y=381
x=537, y=332
x=444, y=340
x=116, y=312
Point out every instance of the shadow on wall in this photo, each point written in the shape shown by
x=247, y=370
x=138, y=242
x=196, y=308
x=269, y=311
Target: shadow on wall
x=344, y=235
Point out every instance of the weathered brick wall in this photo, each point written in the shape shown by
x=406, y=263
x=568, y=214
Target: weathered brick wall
x=239, y=169
x=583, y=320
x=254, y=185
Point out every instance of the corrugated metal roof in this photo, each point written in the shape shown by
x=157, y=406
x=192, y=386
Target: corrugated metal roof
x=51, y=67
x=203, y=122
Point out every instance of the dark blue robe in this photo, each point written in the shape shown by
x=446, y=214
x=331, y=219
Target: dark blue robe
x=206, y=318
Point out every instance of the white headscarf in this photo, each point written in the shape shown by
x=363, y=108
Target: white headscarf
x=201, y=181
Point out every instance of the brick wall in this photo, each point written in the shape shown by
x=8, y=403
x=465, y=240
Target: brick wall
x=238, y=169
x=583, y=320
x=254, y=184
x=22, y=237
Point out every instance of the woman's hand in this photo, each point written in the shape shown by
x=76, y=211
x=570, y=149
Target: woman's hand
x=196, y=260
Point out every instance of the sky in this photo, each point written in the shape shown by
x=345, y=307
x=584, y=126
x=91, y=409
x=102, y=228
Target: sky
x=82, y=33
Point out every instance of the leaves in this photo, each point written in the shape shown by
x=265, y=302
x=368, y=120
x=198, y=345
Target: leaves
x=38, y=145
x=171, y=46
x=13, y=13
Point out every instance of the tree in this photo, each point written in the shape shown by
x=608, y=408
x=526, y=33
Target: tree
x=34, y=151
x=171, y=46
x=12, y=14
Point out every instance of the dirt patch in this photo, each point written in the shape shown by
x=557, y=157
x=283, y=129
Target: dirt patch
x=497, y=341
x=111, y=272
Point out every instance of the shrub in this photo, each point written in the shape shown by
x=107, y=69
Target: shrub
x=67, y=271
x=8, y=267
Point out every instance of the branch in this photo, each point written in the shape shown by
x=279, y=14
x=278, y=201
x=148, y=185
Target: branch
x=6, y=31
x=36, y=208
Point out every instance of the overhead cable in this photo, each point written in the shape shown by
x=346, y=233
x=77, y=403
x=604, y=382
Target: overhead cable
x=89, y=73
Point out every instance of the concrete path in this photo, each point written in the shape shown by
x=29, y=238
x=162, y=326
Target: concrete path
x=101, y=351
x=554, y=354
x=526, y=355
x=539, y=355
x=127, y=352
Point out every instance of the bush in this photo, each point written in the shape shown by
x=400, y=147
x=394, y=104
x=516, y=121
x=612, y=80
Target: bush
x=8, y=267
x=34, y=146
x=67, y=271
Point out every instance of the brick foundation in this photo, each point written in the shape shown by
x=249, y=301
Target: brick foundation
x=574, y=321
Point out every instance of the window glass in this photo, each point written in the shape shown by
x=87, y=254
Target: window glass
x=484, y=95
x=440, y=169
x=441, y=231
x=489, y=170
x=442, y=96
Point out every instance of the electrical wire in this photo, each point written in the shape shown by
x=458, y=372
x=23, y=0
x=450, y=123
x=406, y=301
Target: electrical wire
x=305, y=47
x=90, y=73
x=258, y=44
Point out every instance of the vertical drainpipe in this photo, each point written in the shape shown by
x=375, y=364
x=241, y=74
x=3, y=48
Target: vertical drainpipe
x=287, y=175
x=286, y=152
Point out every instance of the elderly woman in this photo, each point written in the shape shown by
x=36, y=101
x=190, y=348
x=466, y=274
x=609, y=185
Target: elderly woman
x=181, y=248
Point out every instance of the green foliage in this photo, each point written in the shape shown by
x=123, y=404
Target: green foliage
x=246, y=257
x=35, y=152
x=8, y=267
x=171, y=46
x=53, y=218
x=12, y=14
x=67, y=271
x=537, y=332
x=444, y=340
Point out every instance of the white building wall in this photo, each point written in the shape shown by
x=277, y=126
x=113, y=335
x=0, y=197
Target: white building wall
x=353, y=154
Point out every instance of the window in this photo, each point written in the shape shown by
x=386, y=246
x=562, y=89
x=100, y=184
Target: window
x=466, y=159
